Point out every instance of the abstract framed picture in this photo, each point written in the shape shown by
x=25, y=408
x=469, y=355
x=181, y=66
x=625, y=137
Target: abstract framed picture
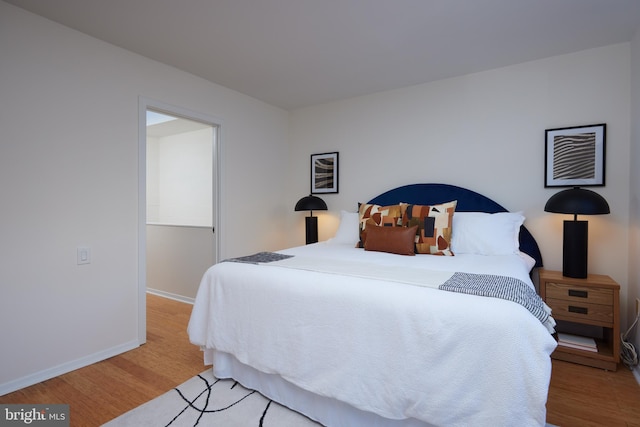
x=575, y=156
x=324, y=173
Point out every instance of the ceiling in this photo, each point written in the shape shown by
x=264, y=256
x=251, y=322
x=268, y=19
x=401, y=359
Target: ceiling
x=296, y=53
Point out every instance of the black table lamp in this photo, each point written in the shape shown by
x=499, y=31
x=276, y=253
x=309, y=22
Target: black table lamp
x=576, y=201
x=311, y=203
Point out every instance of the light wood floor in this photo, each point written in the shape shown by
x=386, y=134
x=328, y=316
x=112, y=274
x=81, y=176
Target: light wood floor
x=579, y=395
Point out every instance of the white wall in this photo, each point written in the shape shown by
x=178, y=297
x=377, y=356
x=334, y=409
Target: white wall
x=177, y=257
x=69, y=176
x=153, y=179
x=179, y=178
x=634, y=222
x=485, y=132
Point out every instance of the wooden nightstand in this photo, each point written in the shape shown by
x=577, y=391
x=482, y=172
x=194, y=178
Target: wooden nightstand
x=590, y=306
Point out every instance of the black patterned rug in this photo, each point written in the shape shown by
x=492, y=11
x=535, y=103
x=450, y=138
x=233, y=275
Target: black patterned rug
x=208, y=401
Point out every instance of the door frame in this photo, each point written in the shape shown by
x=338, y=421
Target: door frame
x=145, y=104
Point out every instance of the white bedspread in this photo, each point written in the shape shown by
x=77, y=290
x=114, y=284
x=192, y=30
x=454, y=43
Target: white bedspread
x=397, y=350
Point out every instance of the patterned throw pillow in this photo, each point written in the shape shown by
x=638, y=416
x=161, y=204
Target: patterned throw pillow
x=384, y=216
x=434, y=227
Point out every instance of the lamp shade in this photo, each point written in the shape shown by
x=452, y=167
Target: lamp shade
x=577, y=201
x=311, y=203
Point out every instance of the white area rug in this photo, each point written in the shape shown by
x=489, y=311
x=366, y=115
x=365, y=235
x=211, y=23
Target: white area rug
x=207, y=401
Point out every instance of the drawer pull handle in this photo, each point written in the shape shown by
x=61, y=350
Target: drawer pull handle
x=579, y=294
x=579, y=310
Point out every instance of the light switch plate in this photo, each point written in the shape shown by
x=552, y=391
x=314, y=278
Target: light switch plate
x=84, y=255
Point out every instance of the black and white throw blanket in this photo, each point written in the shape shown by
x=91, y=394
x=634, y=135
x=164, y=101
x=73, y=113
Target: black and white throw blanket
x=259, y=258
x=504, y=287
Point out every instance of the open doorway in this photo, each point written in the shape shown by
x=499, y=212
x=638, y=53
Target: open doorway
x=178, y=202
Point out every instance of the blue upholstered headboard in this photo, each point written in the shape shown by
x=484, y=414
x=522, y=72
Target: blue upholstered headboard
x=468, y=201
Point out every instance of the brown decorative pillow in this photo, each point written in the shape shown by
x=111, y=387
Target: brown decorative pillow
x=370, y=215
x=434, y=227
x=395, y=240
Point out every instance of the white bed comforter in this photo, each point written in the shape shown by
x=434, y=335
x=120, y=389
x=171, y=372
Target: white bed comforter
x=394, y=349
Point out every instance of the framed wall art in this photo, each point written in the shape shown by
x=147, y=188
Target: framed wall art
x=575, y=156
x=324, y=173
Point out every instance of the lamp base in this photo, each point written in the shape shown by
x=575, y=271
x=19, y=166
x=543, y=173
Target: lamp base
x=574, y=249
x=311, y=229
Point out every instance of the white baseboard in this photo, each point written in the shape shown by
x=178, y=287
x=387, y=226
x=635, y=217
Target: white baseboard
x=64, y=368
x=169, y=295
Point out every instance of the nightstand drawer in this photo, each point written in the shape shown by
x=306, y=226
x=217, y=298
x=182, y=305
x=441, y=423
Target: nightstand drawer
x=570, y=310
x=579, y=294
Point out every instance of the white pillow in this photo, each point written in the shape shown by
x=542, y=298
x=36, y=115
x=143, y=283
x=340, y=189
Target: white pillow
x=348, y=229
x=528, y=260
x=486, y=234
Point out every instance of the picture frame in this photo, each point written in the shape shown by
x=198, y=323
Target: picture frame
x=324, y=173
x=575, y=156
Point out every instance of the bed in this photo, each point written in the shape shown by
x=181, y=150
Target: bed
x=364, y=336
